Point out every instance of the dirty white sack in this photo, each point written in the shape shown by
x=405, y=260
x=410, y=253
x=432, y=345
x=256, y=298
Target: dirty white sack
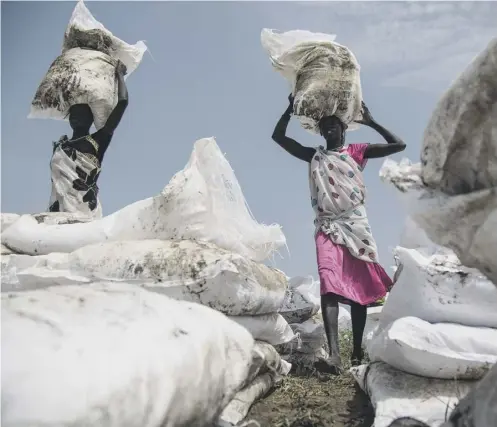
x=396, y=394
x=239, y=407
x=7, y=219
x=440, y=350
x=202, y=202
x=324, y=76
x=464, y=223
x=270, y=328
x=184, y=270
x=437, y=289
x=119, y=351
x=302, y=300
x=85, y=71
x=459, y=152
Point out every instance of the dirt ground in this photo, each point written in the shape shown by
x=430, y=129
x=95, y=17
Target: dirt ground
x=305, y=400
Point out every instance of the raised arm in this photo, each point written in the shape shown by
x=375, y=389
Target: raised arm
x=289, y=144
x=122, y=100
x=394, y=143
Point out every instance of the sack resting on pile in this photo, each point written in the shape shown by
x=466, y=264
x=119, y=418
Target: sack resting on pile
x=112, y=354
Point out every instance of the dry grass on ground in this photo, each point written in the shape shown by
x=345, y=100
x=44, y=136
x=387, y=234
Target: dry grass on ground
x=306, y=400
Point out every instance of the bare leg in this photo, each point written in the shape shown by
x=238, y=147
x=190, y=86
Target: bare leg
x=358, y=313
x=329, y=309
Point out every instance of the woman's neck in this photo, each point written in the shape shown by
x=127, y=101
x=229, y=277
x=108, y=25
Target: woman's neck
x=77, y=134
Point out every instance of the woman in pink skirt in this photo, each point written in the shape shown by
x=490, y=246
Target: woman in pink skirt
x=346, y=251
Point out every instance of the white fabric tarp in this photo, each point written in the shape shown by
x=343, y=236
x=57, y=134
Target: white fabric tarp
x=185, y=270
x=202, y=202
x=441, y=350
x=396, y=394
x=439, y=289
x=112, y=354
x=324, y=76
x=302, y=300
x=270, y=328
x=85, y=71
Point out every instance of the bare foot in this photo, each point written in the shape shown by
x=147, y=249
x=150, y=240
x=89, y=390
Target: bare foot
x=332, y=366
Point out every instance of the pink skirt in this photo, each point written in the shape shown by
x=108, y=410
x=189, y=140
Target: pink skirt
x=348, y=277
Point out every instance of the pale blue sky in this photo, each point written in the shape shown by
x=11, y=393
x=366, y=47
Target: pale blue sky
x=209, y=76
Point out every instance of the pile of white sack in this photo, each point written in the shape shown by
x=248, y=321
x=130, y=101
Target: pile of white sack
x=324, y=76
x=437, y=335
x=302, y=310
x=143, y=317
x=85, y=71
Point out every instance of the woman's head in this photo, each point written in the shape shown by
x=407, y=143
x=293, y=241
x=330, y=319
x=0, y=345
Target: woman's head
x=80, y=118
x=333, y=131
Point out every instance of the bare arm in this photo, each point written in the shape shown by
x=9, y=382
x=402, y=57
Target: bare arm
x=289, y=144
x=394, y=143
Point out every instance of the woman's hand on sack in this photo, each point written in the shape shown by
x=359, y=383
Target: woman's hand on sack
x=367, y=118
x=291, y=98
x=121, y=69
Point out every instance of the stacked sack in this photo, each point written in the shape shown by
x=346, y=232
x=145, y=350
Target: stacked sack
x=324, y=76
x=302, y=310
x=85, y=71
x=438, y=332
x=196, y=242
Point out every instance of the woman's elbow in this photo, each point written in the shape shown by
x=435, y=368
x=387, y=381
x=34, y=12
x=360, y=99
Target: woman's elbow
x=402, y=146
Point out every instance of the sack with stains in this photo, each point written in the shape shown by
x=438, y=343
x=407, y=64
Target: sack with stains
x=438, y=289
x=324, y=76
x=202, y=202
x=440, y=350
x=270, y=328
x=302, y=299
x=396, y=394
x=185, y=270
x=85, y=71
x=112, y=354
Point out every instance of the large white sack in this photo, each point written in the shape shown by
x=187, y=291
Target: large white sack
x=185, y=270
x=459, y=152
x=302, y=300
x=270, y=328
x=85, y=71
x=324, y=76
x=7, y=220
x=396, y=394
x=239, y=407
x=112, y=354
x=437, y=289
x=202, y=202
x=440, y=350
x=465, y=223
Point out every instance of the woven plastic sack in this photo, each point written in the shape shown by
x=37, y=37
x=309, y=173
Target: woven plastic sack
x=112, y=355
x=202, y=202
x=324, y=76
x=85, y=71
x=301, y=300
x=459, y=153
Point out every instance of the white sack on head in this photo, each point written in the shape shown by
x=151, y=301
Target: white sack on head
x=202, y=202
x=85, y=71
x=324, y=76
x=112, y=354
x=440, y=350
x=439, y=289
